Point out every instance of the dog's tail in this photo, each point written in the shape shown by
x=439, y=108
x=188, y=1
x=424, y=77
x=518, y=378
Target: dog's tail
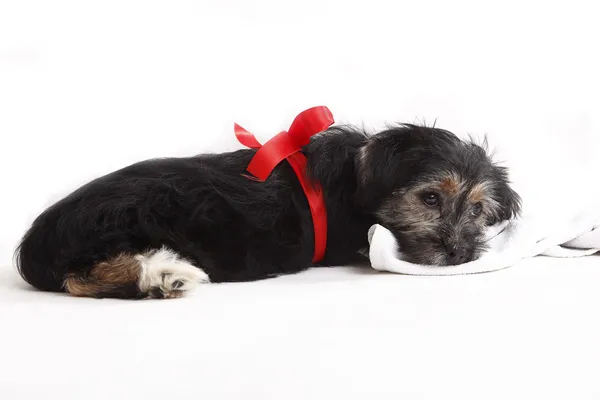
x=46, y=259
x=50, y=258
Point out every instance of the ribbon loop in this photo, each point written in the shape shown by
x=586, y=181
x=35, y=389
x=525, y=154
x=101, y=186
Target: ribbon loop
x=287, y=145
x=308, y=123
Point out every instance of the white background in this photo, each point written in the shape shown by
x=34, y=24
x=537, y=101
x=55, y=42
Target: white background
x=87, y=87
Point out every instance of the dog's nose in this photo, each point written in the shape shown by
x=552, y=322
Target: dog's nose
x=456, y=255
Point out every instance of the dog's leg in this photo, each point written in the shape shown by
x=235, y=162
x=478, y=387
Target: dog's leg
x=159, y=274
x=166, y=275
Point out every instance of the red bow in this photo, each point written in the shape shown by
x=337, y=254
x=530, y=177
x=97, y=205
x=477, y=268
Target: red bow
x=287, y=145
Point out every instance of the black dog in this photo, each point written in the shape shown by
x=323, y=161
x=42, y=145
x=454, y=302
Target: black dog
x=159, y=227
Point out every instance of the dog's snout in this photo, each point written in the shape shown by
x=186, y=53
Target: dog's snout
x=456, y=255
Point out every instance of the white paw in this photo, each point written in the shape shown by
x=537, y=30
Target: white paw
x=164, y=274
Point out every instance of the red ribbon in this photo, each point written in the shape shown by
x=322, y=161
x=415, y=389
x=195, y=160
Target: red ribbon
x=287, y=145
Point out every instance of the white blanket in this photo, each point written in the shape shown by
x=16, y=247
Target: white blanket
x=574, y=235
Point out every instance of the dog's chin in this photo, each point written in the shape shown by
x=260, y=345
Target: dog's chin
x=437, y=259
x=421, y=250
x=428, y=251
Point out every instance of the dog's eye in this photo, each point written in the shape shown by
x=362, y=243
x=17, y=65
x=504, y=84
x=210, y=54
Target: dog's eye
x=477, y=208
x=431, y=199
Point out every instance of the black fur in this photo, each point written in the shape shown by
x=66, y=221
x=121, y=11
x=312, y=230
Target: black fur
x=234, y=228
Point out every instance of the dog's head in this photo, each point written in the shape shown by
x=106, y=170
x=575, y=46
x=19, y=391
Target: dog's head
x=435, y=192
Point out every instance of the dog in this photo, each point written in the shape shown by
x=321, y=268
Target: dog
x=158, y=228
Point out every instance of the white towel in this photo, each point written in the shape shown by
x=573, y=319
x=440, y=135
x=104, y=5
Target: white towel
x=574, y=235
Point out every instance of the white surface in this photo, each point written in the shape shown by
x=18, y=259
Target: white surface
x=88, y=87
x=527, y=332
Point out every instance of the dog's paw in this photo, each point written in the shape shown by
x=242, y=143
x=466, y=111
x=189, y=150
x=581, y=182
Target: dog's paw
x=165, y=275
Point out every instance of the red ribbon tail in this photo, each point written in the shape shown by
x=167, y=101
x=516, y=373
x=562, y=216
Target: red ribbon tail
x=245, y=137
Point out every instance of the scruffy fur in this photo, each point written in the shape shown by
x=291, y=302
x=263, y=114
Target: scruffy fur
x=204, y=213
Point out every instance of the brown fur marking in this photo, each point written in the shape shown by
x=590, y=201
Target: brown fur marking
x=450, y=185
x=105, y=277
x=478, y=193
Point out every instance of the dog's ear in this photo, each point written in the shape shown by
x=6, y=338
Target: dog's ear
x=381, y=165
x=509, y=202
